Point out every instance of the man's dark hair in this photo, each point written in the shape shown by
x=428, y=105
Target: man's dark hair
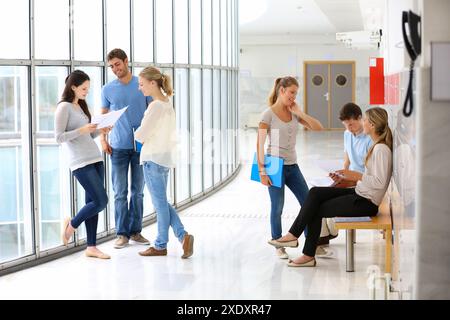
x=350, y=111
x=117, y=53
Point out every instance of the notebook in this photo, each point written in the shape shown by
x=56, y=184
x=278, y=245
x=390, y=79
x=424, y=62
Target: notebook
x=352, y=219
x=274, y=169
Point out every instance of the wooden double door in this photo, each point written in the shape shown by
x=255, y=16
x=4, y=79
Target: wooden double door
x=328, y=85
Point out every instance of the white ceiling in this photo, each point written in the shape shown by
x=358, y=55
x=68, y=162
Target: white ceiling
x=310, y=17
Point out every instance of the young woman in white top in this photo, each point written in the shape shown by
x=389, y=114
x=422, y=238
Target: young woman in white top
x=157, y=133
x=328, y=202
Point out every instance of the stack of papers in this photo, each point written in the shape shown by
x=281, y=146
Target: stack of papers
x=321, y=181
x=108, y=119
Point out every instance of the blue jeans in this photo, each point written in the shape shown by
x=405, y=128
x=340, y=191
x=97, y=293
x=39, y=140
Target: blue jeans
x=293, y=178
x=128, y=219
x=91, y=179
x=156, y=181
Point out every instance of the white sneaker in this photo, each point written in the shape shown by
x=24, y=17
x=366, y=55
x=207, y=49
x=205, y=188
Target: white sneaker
x=322, y=253
x=282, y=254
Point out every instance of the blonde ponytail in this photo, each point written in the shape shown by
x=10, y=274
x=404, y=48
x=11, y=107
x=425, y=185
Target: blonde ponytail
x=166, y=85
x=274, y=93
x=379, y=118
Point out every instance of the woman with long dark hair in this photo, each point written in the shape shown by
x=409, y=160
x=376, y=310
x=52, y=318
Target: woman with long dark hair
x=75, y=132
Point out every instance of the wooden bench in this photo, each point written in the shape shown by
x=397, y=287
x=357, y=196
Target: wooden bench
x=382, y=221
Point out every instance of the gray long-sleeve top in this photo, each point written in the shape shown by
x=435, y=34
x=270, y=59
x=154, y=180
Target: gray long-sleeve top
x=81, y=150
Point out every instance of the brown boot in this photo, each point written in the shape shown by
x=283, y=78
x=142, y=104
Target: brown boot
x=153, y=252
x=188, y=246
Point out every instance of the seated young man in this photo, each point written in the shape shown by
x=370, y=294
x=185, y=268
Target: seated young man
x=356, y=146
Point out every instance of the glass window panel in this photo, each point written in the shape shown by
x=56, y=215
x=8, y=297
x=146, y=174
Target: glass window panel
x=54, y=191
x=216, y=32
x=49, y=87
x=196, y=131
x=207, y=129
x=196, y=31
x=223, y=122
x=182, y=114
x=143, y=30
x=235, y=126
x=13, y=98
x=56, y=12
x=223, y=32
x=230, y=130
x=207, y=32
x=87, y=28
x=15, y=213
x=181, y=31
x=216, y=126
x=9, y=241
x=118, y=25
x=233, y=30
x=9, y=195
x=14, y=15
x=229, y=31
x=236, y=42
x=164, y=53
x=53, y=174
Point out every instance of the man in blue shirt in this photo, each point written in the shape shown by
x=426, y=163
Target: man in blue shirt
x=356, y=146
x=118, y=94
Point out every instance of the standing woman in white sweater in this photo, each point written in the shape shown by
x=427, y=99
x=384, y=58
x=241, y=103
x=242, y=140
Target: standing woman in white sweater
x=157, y=133
x=329, y=202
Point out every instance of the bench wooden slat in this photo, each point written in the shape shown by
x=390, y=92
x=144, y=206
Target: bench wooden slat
x=381, y=221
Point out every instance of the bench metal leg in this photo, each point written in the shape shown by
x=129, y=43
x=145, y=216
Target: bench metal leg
x=350, y=250
x=388, y=252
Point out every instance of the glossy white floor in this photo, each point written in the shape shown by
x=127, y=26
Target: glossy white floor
x=231, y=260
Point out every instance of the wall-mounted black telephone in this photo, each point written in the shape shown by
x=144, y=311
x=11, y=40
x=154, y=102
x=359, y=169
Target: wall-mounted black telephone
x=414, y=48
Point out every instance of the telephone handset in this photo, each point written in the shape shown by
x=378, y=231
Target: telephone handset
x=414, y=48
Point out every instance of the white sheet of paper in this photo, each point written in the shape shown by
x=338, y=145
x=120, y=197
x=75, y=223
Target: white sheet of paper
x=320, y=181
x=108, y=119
x=330, y=165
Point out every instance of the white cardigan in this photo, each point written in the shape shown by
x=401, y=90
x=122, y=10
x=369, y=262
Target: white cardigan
x=376, y=177
x=157, y=133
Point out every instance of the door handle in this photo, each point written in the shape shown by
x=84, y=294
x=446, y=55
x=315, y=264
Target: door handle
x=327, y=95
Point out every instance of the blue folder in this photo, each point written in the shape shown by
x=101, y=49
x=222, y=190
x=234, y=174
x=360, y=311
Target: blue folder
x=274, y=169
x=136, y=144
